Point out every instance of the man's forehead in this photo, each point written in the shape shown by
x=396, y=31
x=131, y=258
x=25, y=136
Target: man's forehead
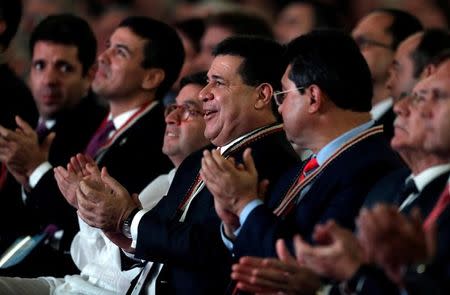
x=437, y=80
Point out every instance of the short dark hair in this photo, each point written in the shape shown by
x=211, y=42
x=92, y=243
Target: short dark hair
x=198, y=78
x=241, y=23
x=10, y=13
x=162, y=50
x=403, y=25
x=331, y=60
x=325, y=15
x=433, y=41
x=440, y=58
x=263, y=59
x=68, y=29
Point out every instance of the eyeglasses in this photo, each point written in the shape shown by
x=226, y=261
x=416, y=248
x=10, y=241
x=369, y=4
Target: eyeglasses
x=184, y=111
x=364, y=42
x=279, y=96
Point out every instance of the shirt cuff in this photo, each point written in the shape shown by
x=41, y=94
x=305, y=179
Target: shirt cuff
x=134, y=226
x=246, y=212
x=38, y=173
x=226, y=241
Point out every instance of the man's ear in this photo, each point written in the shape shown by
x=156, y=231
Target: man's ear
x=89, y=77
x=153, y=78
x=264, y=96
x=428, y=71
x=316, y=99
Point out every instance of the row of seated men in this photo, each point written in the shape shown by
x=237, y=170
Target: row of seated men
x=239, y=193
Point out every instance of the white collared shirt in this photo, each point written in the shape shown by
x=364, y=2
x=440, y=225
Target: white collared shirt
x=423, y=179
x=381, y=108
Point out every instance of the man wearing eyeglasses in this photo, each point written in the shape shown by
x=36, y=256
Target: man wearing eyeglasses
x=378, y=34
x=426, y=170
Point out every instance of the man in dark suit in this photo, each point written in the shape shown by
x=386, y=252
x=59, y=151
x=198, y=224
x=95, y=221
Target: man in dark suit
x=63, y=51
x=132, y=77
x=182, y=231
x=16, y=99
x=378, y=35
x=411, y=63
x=412, y=257
x=321, y=114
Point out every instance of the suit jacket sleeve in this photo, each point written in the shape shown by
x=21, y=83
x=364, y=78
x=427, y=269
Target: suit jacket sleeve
x=197, y=241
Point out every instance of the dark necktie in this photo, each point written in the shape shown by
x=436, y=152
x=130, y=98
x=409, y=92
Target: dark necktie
x=440, y=206
x=42, y=131
x=99, y=139
x=408, y=188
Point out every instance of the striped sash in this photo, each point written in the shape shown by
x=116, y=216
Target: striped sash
x=248, y=139
x=292, y=195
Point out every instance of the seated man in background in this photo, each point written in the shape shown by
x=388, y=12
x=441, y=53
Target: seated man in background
x=63, y=49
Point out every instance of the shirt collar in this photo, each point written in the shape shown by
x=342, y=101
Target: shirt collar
x=328, y=150
x=121, y=119
x=49, y=123
x=224, y=148
x=425, y=177
x=381, y=108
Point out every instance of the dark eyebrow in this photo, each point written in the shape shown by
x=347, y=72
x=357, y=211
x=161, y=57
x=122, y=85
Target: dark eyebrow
x=124, y=47
x=192, y=103
x=216, y=77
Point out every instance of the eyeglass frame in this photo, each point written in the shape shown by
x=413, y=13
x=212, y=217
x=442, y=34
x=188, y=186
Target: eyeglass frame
x=185, y=111
x=279, y=101
x=363, y=42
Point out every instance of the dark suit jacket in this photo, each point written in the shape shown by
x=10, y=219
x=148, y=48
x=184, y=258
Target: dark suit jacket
x=437, y=276
x=136, y=157
x=337, y=193
x=388, y=188
x=16, y=99
x=45, y=204
x=387, y=120
x=196, y=261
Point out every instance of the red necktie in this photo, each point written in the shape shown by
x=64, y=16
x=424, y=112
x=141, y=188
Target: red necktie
x=440, y=206
x=308, y=168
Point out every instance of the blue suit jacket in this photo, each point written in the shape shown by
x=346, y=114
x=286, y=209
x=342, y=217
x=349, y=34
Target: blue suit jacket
x=337, y=193
x=195, y=260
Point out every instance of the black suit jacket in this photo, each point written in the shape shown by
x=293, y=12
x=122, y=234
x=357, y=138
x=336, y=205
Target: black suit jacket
x=16, y=99
x=387, y=120
x=45, y=204
x=136, y=158
x=195, y=259
x=436, y=278
x=337, y=193
x=388, y=188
